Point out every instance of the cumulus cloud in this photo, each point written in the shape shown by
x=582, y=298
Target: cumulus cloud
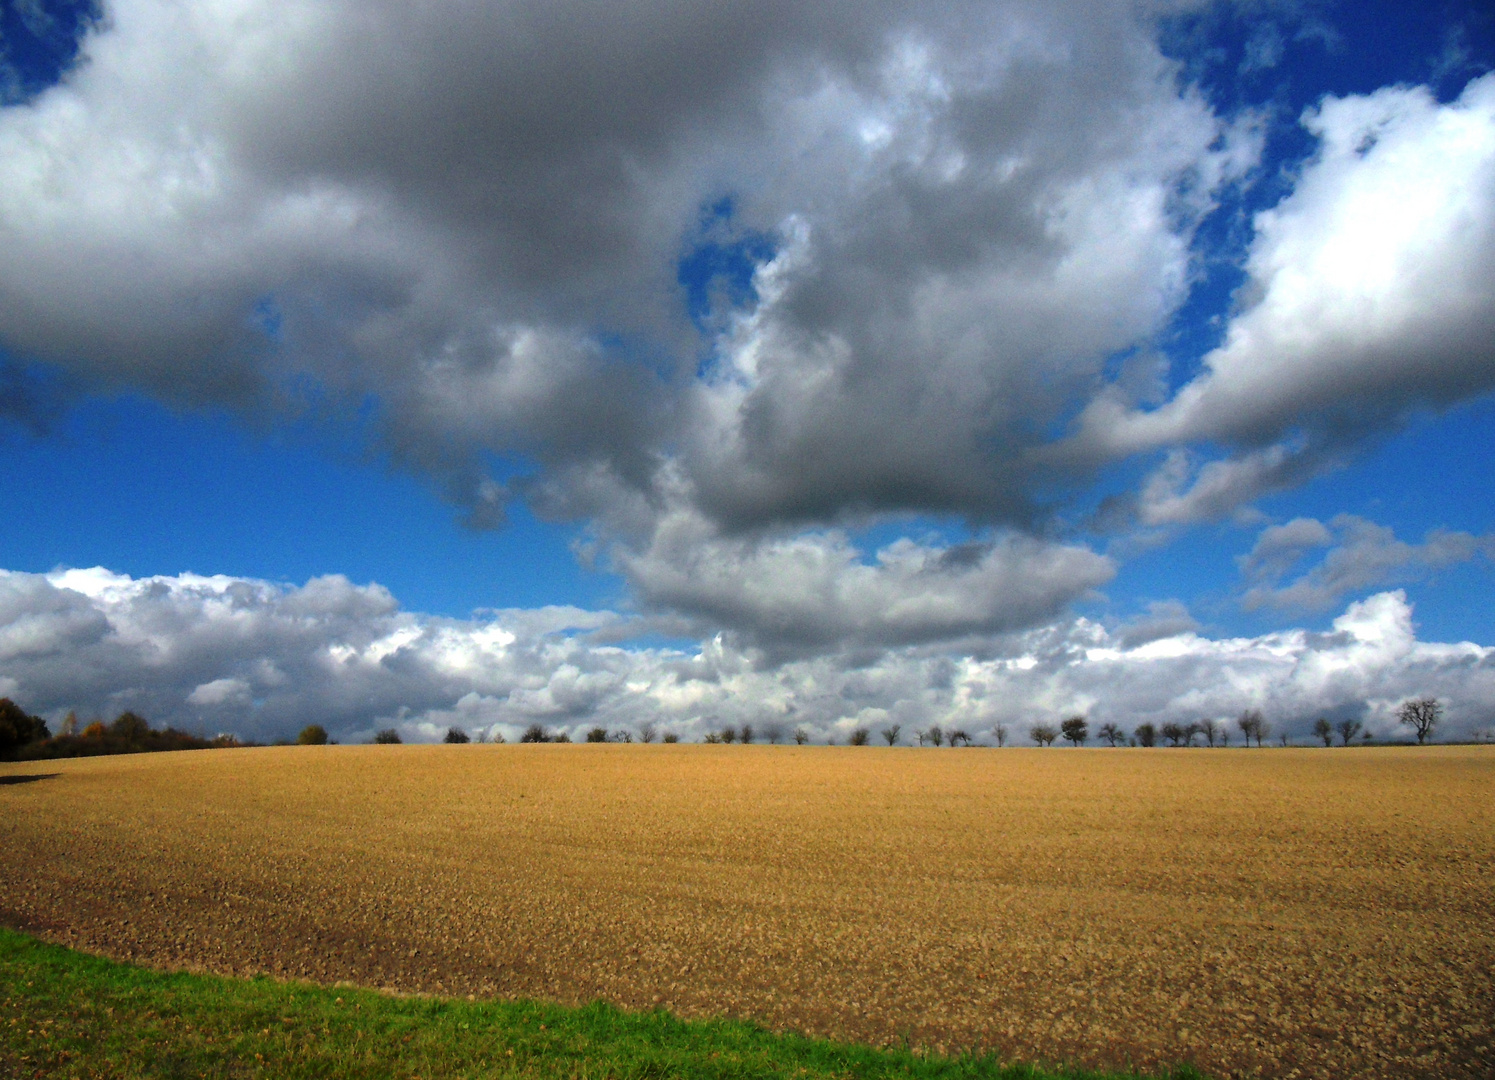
x=1369, y=286
x=1360, y=555
x=474, y=216
x=263, y=660
x=819, y=591
x=464, y=227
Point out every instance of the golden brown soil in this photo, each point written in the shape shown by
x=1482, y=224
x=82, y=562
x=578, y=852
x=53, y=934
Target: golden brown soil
x=1325, y=913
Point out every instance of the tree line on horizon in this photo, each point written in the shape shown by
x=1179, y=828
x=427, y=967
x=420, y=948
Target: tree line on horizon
x=26, y=737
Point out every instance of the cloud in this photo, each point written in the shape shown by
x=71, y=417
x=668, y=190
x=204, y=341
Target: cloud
x=1164, y=619
x=818, y=590
x=1361, y=555
x=1369, y=287
x=474, y=217
x=263, y=660
x=461, y=229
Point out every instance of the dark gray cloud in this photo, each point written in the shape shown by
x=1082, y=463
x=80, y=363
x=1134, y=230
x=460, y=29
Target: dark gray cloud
x=819, y=591
x=473, y=216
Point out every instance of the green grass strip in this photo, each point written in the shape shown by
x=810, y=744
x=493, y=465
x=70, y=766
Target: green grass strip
x=67, y=1014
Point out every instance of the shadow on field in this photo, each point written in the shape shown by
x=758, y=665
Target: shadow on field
x=27, y=778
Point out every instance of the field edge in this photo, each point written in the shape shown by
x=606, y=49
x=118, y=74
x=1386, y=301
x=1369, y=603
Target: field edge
x=67, y=1013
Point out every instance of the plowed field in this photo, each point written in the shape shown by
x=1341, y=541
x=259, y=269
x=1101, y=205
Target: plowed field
x=1325, y=913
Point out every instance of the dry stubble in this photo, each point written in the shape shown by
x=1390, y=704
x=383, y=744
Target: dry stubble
x=1257, y=912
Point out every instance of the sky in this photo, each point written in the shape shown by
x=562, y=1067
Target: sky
x=819, y=365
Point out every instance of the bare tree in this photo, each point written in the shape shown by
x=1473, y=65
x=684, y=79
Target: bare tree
x=801, y=736
x=745, y=735
x=1174, y=733
x=858, y=737
x=936, y=735
x=891, y=734
x=670, y=737
x=1112, y=733
x=1347, y=729
x=1211, y=730
x=1422, y=714
x=959, y=738
x=729, y=734
x=1043, y=734
x=773, y=732
x=647, y=731
x=1146, y=735
x=1000, y=731
x=1075, y=729
x=1252, y=725
x=622, y=736
x=1324, y=730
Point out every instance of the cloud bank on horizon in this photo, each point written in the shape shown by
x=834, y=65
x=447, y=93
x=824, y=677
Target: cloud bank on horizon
x=950, y=240
x=229, y=654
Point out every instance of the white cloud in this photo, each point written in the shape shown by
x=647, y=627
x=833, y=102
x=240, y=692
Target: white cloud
x=265, y=660
x=1371, y=286
x=1360, y=555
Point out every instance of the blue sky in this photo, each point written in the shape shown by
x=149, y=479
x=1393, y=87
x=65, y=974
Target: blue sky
x=614, y=361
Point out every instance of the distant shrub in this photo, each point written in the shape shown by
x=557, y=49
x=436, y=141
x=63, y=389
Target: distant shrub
x=456, y=735
x=1422, y=715
x=562, y=737
x=671, y=737
x=129, y=734
x=597, y=734
x=534, y=733
x=18, y=728
x=859, y=736
x=713, y=737
x=388, y=737
x=312, y=735
x=130, y=726
x=1075, y=729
